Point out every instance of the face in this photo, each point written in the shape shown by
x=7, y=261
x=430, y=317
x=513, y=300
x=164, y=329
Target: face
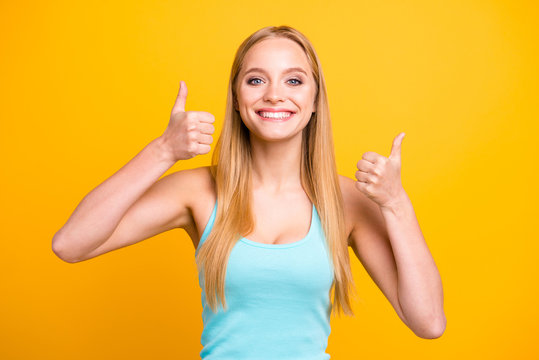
x=276, y=90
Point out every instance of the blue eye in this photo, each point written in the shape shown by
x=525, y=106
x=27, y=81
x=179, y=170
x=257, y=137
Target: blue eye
x=251, y=79
x=298, y=81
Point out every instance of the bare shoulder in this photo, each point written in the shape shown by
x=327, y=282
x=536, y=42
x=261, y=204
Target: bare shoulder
x=352, y=197
x=192, y=183
x=358, y=208
x=200, y=178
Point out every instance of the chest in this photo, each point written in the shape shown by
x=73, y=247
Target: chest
x=280, y=219
x=295, y=273
x=278, y=224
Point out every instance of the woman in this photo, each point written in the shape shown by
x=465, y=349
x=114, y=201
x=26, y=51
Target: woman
x=271, y=220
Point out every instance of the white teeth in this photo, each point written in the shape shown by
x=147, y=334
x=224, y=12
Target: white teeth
x=275, y=115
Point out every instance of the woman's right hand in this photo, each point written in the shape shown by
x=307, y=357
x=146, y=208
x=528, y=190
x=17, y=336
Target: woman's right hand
x=188, y=133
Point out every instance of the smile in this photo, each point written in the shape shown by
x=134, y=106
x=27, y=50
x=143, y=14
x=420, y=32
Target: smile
x=275, y=116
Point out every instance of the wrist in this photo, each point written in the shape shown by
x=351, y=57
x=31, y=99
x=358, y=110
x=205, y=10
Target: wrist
x=396, y=203
x=162, y=151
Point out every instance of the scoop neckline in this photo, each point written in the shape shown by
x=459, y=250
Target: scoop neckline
x=288, y=245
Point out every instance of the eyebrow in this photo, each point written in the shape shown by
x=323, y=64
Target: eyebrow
x=286, y=71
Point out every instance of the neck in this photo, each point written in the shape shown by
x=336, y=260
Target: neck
x=276, y=165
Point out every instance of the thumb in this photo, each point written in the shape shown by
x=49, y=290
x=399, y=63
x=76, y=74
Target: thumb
x=179, y=105
x=396, y=147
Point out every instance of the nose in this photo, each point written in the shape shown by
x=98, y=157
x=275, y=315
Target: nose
x=274, y=93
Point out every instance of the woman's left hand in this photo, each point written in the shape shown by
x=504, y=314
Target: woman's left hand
x=379, y=177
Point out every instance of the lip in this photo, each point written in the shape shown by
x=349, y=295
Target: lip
x=275, y=110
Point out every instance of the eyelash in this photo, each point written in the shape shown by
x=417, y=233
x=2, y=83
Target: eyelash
x=299, y=82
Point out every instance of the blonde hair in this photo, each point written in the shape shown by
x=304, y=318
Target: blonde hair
x=231, y=169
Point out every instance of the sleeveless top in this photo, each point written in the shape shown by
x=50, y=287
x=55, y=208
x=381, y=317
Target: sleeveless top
x=278, y=301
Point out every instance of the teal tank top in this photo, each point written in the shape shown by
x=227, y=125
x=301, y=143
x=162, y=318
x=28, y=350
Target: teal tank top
x=278, y=301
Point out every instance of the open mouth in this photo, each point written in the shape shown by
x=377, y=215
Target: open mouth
x=275, y=116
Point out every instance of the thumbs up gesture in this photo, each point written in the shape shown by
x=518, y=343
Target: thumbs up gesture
x=188, y=133
x=379, y=177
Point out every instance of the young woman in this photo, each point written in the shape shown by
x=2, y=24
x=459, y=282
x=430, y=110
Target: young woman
x=270, y=219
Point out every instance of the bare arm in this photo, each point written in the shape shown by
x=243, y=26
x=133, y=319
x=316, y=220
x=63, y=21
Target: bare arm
x=132, y=204
x=393, y=251
x=100, y=211
x=389, y=242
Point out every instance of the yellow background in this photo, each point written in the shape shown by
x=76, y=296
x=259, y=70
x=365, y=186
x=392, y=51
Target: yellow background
x=86, y=85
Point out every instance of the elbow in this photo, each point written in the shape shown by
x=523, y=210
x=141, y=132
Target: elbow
x=434, y=328
x=59, y=250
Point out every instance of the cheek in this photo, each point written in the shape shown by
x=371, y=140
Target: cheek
x=308, y=100
x=249, y=94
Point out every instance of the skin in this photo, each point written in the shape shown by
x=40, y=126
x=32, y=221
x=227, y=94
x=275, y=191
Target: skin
x=278, y=197
x=380, y=221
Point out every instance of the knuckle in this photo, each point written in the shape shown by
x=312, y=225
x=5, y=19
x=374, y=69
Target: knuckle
x=192, y=136
x=192, y=148
x=192, y=124
x=361, y=185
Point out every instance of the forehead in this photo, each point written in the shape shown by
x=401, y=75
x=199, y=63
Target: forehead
x=275, y=54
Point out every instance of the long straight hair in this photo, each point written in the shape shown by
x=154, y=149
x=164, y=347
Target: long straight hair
x=231, y=168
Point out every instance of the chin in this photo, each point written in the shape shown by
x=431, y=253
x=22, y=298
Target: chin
x=274, y=136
